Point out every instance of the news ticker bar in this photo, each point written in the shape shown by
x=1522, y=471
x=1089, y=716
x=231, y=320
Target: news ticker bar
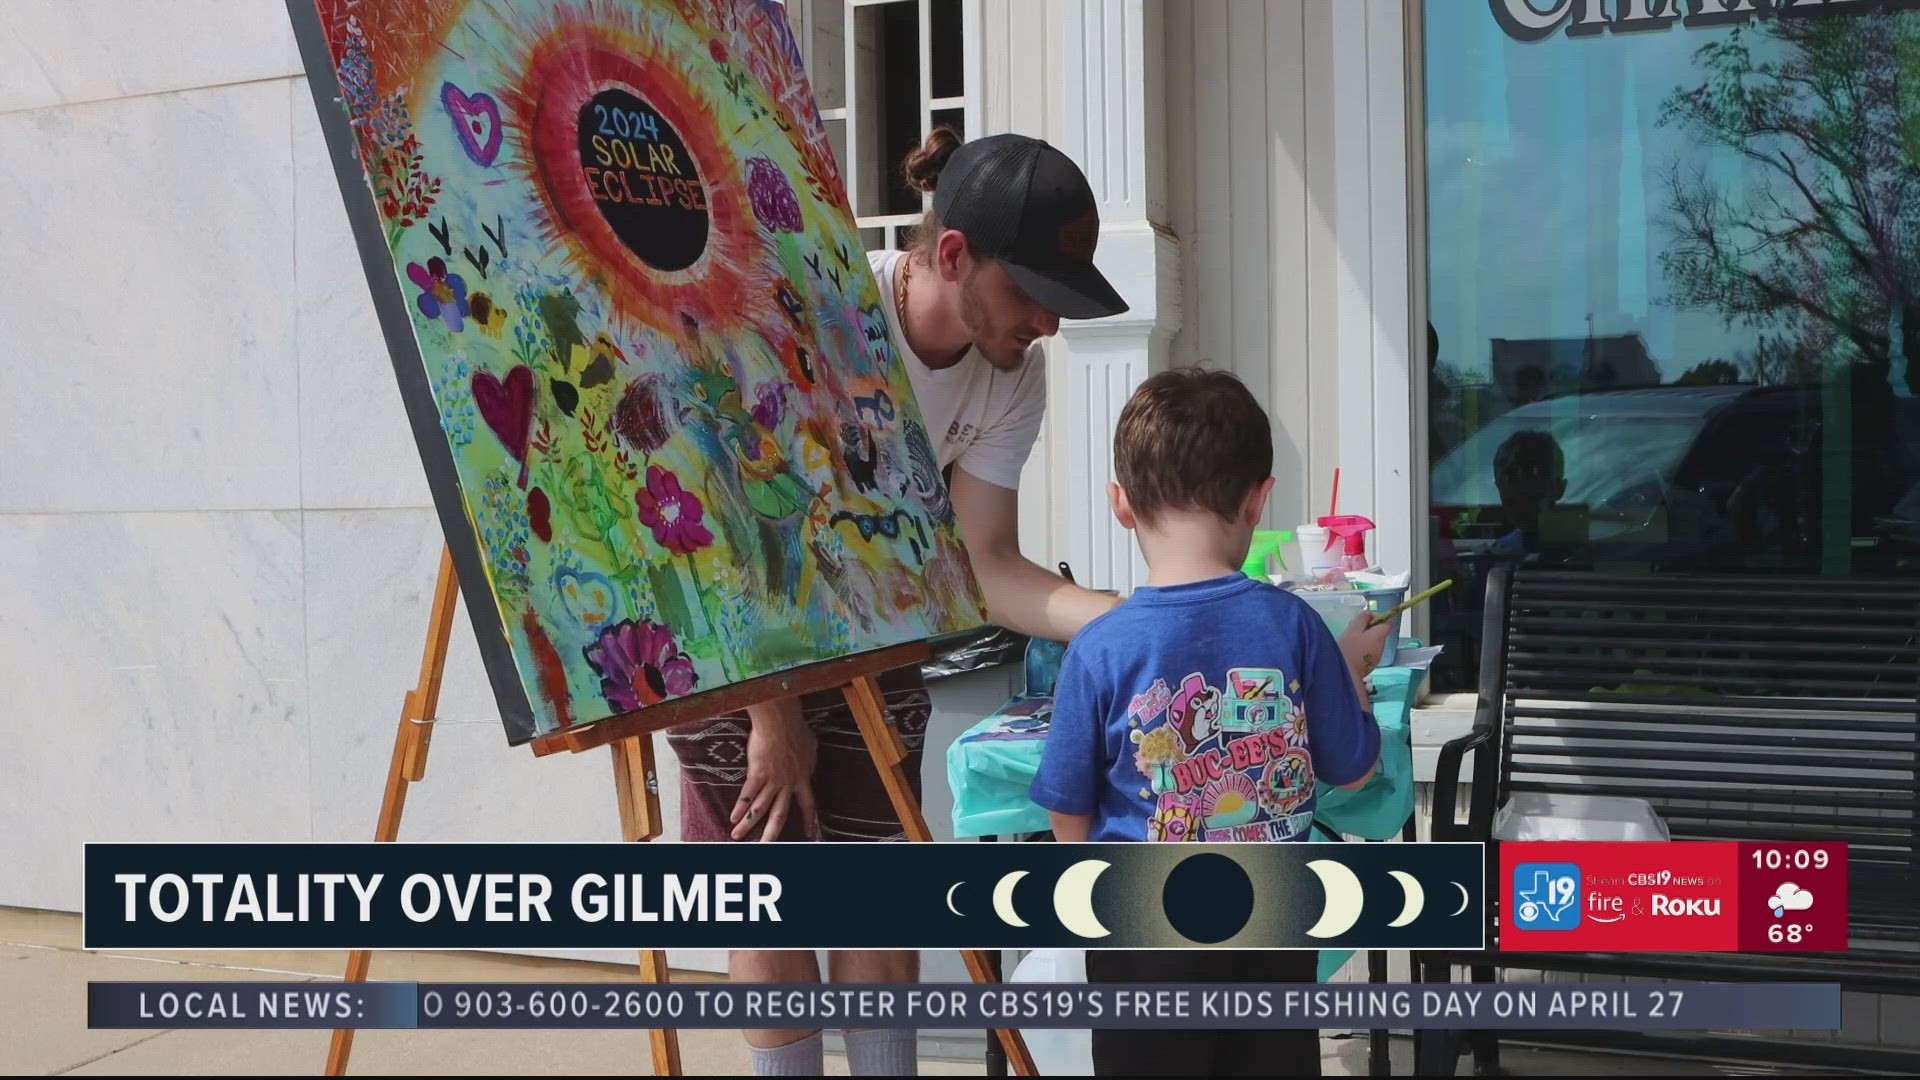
x=784, y=896
x=1562, y=896
x=1552, y=1006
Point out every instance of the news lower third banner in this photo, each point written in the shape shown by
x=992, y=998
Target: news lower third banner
x=784, y=896
x=1638, y=1007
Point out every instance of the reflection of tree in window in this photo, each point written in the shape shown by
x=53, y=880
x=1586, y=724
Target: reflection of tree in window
x=1822, y=246
x=1711, y=373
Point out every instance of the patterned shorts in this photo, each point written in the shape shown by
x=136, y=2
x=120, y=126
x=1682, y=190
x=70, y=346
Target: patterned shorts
x=850, y=800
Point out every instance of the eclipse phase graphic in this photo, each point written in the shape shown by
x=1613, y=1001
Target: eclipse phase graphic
x=1073, y=898
x=1003, y=899
x=1416, y=898
x=1345, y=898
x=1356, y=899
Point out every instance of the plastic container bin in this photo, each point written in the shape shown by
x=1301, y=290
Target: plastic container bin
x=1338, y=608
x=1382, y=600
x=1535, y=815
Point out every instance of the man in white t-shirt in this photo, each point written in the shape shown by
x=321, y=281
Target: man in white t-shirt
x=1005, y=253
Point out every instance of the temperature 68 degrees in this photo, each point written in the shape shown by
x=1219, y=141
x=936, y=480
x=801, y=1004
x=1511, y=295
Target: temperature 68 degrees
x=1791, y=933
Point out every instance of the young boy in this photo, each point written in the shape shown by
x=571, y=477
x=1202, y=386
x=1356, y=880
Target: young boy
x=1152, y=696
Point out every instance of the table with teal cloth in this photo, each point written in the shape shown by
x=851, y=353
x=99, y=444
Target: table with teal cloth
x=991, y=768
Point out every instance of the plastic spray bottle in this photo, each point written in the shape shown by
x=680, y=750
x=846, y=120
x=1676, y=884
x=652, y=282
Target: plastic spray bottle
x=1351, y=530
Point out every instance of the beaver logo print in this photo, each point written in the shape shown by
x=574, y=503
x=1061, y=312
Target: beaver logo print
x=1196, y=711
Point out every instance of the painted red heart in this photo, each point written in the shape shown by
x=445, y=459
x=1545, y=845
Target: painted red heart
x=540, y=515
x=507, y=407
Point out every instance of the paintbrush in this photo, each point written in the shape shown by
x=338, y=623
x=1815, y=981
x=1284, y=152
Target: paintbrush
x=1398, y=609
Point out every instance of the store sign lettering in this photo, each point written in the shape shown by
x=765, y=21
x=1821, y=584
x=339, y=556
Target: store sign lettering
x=1528, y=20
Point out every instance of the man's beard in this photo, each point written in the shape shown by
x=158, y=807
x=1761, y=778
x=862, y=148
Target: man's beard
x=992, y=343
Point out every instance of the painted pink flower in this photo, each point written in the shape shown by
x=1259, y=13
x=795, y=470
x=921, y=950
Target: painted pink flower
x=442, y=295
x=674, y=514
x=639, y=664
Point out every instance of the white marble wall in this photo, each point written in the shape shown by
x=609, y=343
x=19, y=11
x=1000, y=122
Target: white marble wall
x=216, y=545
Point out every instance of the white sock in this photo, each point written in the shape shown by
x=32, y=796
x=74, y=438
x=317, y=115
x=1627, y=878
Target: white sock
x=802, y=1058
x=883, y=1052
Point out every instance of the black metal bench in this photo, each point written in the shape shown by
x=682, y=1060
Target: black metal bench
x=1743, y=708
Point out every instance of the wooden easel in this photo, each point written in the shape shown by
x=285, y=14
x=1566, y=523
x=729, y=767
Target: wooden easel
x=637, y=786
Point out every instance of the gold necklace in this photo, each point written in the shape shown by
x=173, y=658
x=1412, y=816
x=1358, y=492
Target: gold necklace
x=900, y=306
x=900, y=292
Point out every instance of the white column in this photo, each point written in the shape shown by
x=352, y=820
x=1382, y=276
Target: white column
x=1371, y=222
x=1113, y=87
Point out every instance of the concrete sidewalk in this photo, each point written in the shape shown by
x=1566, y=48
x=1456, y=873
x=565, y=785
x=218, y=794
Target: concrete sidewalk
x=43, y=1021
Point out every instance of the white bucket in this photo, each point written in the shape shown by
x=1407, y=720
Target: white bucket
x=1316, y=559
x=1056, y=1051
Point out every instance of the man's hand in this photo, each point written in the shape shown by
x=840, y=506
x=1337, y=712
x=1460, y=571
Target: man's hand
x=1020, y=595
x=780, y=757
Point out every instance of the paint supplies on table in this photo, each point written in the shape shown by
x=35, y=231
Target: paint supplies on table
x=1339, y=607
x=1341, y=601
x=1400, y=608
x=1319, y=559
x=1336, y=545
x=1350, y=530
x=1318, y=562
x=1383, y=592
x=1374, y=579
x=1265, y=561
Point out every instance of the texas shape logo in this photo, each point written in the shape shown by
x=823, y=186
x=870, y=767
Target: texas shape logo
x=1546, y=896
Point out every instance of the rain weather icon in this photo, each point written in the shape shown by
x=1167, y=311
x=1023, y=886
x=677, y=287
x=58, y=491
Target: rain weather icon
x=1789, y=897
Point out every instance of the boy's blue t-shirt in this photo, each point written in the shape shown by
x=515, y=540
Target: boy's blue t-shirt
x=1203, y=712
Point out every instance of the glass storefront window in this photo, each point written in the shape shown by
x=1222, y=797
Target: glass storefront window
x=1673, y=282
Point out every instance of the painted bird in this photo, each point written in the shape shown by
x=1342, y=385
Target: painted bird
x=773, y=488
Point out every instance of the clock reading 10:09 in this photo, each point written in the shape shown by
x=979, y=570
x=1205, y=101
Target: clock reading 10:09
x=1773, y=858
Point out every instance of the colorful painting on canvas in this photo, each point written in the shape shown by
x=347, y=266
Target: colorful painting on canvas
x=651, y=360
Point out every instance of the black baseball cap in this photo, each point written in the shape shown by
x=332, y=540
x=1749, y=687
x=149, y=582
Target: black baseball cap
x=1019, y=200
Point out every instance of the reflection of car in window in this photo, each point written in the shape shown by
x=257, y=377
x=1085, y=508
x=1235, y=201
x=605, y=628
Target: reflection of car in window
x=1658, y=467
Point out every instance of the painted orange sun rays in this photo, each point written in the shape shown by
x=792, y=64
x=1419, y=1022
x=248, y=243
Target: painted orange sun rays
x=570, y=55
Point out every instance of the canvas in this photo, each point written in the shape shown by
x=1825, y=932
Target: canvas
x=669, y=434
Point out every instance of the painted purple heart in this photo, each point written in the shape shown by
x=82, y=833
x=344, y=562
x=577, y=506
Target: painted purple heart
x=476, y=120
x=507, y=407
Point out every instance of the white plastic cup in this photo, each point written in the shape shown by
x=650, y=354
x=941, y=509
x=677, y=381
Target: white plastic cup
x=1316, y=559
